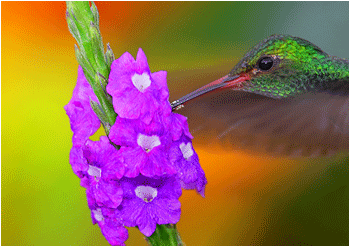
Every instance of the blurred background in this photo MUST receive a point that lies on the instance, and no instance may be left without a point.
(250, 200)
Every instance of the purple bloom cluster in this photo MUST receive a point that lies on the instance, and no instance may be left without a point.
(139, 184)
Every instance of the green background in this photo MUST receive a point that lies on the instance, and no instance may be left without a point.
(250, 200)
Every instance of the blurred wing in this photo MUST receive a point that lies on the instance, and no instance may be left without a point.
(312, 124)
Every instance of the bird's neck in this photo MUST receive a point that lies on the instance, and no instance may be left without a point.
(330, 74)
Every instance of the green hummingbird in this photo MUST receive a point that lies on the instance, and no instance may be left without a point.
(285, 96)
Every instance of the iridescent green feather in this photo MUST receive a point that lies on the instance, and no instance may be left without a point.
(302, 67)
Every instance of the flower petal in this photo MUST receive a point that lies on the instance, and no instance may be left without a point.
(164, 208)
(108, 194)
(113, 231)
(83, 120)
(134, 158)
(168, 211)
(189, 171)
(146, 224)
(77, 161)
(141, 62)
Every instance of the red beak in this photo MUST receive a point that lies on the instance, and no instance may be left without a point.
(222, 83)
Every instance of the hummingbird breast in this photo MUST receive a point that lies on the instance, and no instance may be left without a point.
(311, 124)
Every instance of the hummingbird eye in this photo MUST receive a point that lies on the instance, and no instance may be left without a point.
(265, 63)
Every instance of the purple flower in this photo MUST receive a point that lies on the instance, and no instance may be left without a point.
(83, 120)
(109, 221)
(148, 202)
(137, 93)
(77, 160)
(106, 194)
(144, 148)
(103, 154)
(98, 154)
(189, 171)
(114, 232)
(178, 126)
(139, 184)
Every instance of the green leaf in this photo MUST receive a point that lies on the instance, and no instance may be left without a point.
(109, 56)
(95, 13)
(99, 112)
(103, 80)
(98, 49)
(88, 69)
(73, 28)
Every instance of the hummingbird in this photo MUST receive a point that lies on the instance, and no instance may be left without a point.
(285, 97)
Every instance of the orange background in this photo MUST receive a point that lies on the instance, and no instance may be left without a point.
(250, 200)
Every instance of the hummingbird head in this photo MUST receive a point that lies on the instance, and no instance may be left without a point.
(281, 66)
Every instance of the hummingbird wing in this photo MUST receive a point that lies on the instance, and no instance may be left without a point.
(312, 124)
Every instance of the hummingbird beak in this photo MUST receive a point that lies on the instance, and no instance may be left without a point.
(222, 83)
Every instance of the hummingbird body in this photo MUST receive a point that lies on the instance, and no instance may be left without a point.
(288, 96)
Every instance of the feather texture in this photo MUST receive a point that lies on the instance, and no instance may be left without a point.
(311, 124)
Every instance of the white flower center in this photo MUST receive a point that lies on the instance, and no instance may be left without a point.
(148, 142)
(141, 82)
(98, 214)
(94, 171)
(146, 193)
(186, 150)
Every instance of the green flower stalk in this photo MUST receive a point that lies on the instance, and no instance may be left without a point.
(83, 23)
(165, 235)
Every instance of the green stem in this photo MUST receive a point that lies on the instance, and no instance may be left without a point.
(165, 235)
(83, 23)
